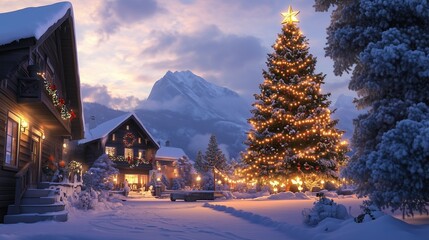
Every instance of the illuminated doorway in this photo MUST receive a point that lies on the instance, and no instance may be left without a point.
(137, 181)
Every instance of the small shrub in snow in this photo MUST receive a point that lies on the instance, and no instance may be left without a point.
(85, 200)
(370, 212)
(322, 209)
(177, 184)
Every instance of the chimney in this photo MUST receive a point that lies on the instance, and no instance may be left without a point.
(167, 143)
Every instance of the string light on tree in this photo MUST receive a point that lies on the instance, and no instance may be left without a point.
(292, 132)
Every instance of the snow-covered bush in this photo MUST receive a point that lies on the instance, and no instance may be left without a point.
(100, 176)
(370, 212)
(324, 208)
(177, 184)
(207, 181)
(85, 200)
(94, 200)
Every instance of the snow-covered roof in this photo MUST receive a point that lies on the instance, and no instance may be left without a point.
(30, 22)
(105, 128)
(170, 153)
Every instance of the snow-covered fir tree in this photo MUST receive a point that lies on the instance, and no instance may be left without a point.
(100, 176)
(214, 157)
(293, 134)
(211, 162)
(199, 165)
(185, 171)
(386, 46)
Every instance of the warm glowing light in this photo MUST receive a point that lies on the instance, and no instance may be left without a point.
(24, 125)
(198, 178)
(290, 16)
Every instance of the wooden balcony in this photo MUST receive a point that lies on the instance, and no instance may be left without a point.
(37, 103)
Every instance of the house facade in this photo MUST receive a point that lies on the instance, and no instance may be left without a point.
(169, 163)
(40, 102)
(129, 145)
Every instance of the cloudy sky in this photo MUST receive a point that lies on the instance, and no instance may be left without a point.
(125, 46)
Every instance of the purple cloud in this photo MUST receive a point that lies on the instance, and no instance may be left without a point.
(100, 94)
(116, 13)
(229, 60)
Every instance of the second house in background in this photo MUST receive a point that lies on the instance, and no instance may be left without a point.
(128, 144)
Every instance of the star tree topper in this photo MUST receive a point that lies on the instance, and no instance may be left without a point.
(290, 16)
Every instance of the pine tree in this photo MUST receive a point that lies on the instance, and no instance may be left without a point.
(292, 133)
(200, 164)
(386, 45)
(214, 158)
(100, 176)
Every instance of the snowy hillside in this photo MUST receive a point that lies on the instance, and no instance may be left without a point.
(186, 109)
(96, 113)
(187, 93)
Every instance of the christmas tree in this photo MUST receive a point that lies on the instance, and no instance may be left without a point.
(293, 134)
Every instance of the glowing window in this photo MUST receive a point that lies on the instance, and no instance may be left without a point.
(12, 134)
(128, 153)
(111, 151)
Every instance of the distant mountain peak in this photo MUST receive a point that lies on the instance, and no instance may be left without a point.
(187, 84)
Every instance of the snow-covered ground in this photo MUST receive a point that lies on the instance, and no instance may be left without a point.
(259, 218)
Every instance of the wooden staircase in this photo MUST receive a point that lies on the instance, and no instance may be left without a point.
(32, 205)
(37, 205)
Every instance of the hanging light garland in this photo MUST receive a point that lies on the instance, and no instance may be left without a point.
(59, 102)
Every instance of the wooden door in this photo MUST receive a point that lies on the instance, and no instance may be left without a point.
(36, 159)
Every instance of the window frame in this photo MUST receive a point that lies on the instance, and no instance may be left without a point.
(143, 154)
(129, 150)
(107, 151)
(13, 161)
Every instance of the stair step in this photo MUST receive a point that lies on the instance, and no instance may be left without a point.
(43, 185)
(35, 193)
(38, 201)
(39, 208)
(36, 217)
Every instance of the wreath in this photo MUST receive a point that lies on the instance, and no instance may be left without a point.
(129, 139)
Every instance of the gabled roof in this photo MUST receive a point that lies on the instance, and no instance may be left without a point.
(170, 153)
(30, 22)
(24, 30)
(107, 127)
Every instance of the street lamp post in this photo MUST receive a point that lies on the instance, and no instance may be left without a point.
(214, 179)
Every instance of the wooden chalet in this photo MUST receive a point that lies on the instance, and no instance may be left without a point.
(128, 144)
(40, 101)
(167, 162)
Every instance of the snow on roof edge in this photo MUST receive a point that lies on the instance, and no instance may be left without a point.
(31, 22)
(105, 128)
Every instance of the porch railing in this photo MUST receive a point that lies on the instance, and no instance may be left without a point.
(22, 178)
